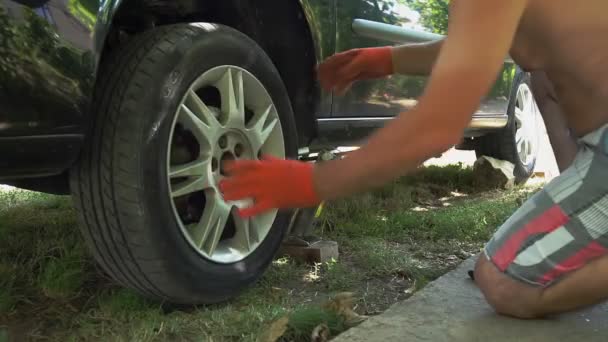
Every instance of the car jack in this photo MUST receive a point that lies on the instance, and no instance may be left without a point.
(301, 244)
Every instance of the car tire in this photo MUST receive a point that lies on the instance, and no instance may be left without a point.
(523, 116)
(123, 187)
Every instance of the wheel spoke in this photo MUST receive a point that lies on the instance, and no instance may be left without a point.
(233, 99)
(521, 150)
(521, 95)
(527, 104)
(208, 231)
(243, 234)
(189, 186)
(200, 129)
(519, 135)
(262, 127)
(520, 145)
(200, 109)
(518, 114)
(194, 168)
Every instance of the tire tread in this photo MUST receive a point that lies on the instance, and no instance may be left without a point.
(106, 228)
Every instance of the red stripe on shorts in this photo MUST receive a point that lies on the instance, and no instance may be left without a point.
(592, 250)
(545, 223)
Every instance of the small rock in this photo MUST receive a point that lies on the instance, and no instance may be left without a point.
(493, 173)
(462, 254)
(320, 333)
(275, 330)
(410, 289)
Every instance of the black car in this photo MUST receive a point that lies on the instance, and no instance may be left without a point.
(131, 106)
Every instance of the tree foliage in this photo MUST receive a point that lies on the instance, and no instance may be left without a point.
(433, 13)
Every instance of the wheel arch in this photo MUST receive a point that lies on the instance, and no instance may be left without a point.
(288, 38)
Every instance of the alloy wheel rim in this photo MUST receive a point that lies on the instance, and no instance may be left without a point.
(225, 114)
(525, 124)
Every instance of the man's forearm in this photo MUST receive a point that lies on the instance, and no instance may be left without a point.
(416, 59)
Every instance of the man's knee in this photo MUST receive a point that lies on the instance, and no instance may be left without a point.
(489, 284)
(506, 296)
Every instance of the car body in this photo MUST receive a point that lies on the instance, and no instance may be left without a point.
(54, 54)
(44, 122)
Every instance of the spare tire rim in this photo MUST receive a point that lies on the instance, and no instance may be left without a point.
(525, 124)
(226, 114)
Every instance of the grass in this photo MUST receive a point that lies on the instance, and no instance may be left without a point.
(392, 242)
(40, 251)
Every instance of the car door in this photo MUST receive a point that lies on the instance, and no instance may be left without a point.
(46, 74)
(45, 65)
(368, 104)
(375, 98)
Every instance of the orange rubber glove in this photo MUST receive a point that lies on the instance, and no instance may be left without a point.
(339, 71)
(272, 184)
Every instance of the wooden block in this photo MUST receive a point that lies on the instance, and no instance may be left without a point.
(318, 252)
(539, 174)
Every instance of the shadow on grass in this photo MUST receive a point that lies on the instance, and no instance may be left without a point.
(437, 202)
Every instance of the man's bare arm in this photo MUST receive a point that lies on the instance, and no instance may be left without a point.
(480, 34)
(416, 59)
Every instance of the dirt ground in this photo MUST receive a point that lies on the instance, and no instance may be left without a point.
(392, 241)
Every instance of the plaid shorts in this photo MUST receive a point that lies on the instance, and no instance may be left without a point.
(563, 226)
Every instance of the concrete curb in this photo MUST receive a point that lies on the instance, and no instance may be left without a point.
(452, 309)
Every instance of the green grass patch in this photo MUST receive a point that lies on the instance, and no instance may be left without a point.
(340, 277)
(63, 276)
(401, 218)
(455, 177)
(469, 221)
(391, 240)
(306, 319)
(8, 298)
(378, 258)
(41, 251)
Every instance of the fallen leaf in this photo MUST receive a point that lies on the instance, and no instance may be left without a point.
(354, 319)
(320, 333)
(343, 304)
(463, 254)
(342, 301)
(275, 330)
(411, 289)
